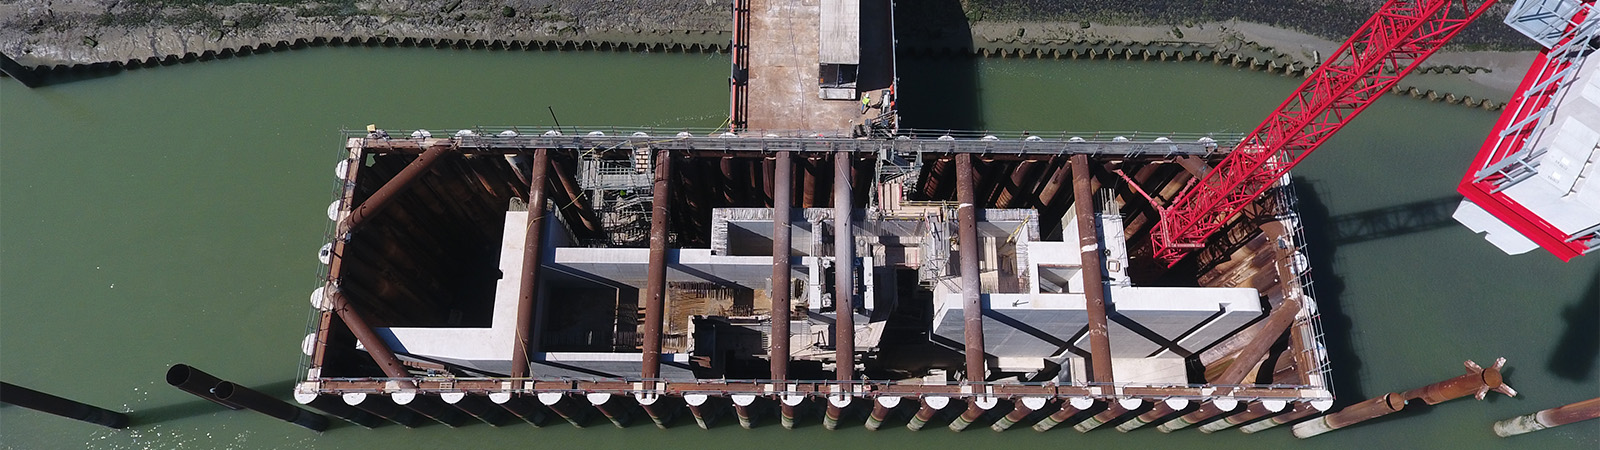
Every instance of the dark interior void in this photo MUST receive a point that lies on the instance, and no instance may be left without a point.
(432, 257)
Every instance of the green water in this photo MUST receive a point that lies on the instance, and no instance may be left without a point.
(173, 215)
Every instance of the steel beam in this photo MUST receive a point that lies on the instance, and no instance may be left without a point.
(844, 257)
(368, 338)
(394, 187)
(971, 287)
(1093, 283)
(266, 404)
(656, 283)
(532, 259)
(1357, 413)
(782, 197)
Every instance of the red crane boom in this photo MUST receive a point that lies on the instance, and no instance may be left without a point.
(1385, 48)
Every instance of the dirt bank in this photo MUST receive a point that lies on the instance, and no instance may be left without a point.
(67, 32)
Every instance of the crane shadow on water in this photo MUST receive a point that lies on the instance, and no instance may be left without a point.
(1575, 354)
(1327, 287)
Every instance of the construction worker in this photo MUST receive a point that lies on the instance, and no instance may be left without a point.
(866, 102)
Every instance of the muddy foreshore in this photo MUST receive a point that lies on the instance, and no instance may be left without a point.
(65, 33)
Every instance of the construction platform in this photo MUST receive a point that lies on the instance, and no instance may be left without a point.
(813, 260)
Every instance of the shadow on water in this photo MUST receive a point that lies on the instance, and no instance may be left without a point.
(194, 407)
(1576, 353)
(938, 74)
(1327, 287)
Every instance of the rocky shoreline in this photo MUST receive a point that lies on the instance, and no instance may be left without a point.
(86, 34)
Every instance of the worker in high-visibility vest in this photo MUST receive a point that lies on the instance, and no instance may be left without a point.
(866, 102)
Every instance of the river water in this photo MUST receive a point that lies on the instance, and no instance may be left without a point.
(173, 215)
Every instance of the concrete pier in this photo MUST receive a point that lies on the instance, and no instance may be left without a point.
(1354, 414)
(476, 406)
(881, 407)
(265, 404)
(429, 406)
(1213, 408)
(1256, 410)
(614, 407)
(744, 406)
(564, 406)
(1553, 417)
(657, 407)
(521, 407)
(378, 406)
(1114, 410)
(835, 411)
(976, 407)
(930, 406)
(1300, 411)
(1070, 407)
(336, 407)
(702, 408)
(197, 382)
(39, 401)
(1022, 408)
(1159, 412)
(789, 409)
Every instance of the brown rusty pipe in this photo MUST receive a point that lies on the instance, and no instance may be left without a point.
(1256, 410)
(532, 258)
(520, 407)
(782, 197)
(1276, 323)
(563, 406)
(1069, 407)
(1357, 413)
(1024, 407)
(844, 258)
(395, 186)
(1553, 417)
(478, 407)
(1213, 408)
(656, 284)
(1093, 284)
(881, 407)
(429, 406)
(375, 345)
(1477, 381)
(972, 414)
(1114, 409)
(971, 288)
(334, 406)
(744, 407)
(1162, 409)
(382, 408)
(930, 407)
(1300, 411)
(656, 408)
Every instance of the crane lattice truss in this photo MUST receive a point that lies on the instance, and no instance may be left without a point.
(1385, 48)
